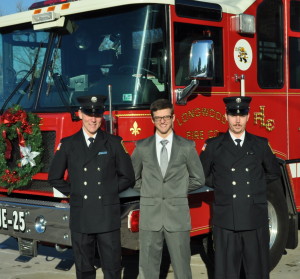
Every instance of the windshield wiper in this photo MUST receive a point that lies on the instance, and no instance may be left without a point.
(60, 84)
(29, 87)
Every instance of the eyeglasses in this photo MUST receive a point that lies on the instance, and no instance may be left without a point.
(160, 118)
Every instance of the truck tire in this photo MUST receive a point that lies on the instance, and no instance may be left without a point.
(278, 222)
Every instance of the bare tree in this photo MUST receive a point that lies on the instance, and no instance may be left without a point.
(20, 6)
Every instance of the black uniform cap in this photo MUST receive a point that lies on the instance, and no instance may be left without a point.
(92, 105)
(237, 105)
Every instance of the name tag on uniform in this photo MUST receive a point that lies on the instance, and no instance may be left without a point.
(102, 153)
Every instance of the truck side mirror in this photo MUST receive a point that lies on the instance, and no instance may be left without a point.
(201, 67)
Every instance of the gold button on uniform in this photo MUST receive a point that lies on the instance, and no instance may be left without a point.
(85, 183)
(85, 197)
(233, 183)
(234, 196)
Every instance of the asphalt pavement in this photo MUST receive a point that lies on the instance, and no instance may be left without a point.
(51, 264)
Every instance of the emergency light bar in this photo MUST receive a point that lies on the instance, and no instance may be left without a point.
(47, 3)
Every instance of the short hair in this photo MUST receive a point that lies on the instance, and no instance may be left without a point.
(161, 104)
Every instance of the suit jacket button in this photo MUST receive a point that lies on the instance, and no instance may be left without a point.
(85, 169)
(85, 183)
(99, 182)
(85, 197)
(234, 196)
(246, 169)
(99, 197)
(98, 169)
(248, 196)
(233, 183)
(233, 169)
(248, 182)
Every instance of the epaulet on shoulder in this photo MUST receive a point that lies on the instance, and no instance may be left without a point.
(210, 140)
(262, 138)
(113, 137)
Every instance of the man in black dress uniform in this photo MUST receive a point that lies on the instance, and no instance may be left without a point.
(238, 166)
(99, 168)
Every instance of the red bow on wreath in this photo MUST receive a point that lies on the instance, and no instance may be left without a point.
(9, 118)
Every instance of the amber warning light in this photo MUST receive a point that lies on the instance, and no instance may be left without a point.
(47, 3)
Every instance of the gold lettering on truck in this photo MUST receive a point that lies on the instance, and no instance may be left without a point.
(259, 118)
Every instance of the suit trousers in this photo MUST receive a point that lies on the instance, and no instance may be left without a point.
(109, 248)
(234, 249)
(151, 246)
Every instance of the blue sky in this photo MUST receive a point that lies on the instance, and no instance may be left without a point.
(9, 6)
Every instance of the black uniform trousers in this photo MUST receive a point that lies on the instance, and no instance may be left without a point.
(109, 248)
(236, 248)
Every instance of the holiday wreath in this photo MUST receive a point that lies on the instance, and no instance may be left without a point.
(19, 128)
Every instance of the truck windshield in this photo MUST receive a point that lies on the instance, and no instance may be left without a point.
(121, 47)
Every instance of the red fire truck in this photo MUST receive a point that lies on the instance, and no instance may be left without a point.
(134, 52)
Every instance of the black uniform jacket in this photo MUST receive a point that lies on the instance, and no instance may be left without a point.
(239, 178)
(95, 178)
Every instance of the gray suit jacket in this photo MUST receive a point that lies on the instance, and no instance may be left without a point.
(164, 200)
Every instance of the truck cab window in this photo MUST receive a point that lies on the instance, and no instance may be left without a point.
(270, 44)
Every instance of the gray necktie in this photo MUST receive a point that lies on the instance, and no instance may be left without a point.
(91, 142)
(238, 141)
(164, 157)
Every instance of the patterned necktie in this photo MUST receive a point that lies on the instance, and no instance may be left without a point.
(91, 142)
(164, 157)
(238, 141)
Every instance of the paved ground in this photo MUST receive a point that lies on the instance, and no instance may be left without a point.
(46, 265)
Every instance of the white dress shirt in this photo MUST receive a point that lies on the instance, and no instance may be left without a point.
(86, 137)
(242, 138)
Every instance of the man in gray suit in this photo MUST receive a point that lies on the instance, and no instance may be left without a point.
(166, 168)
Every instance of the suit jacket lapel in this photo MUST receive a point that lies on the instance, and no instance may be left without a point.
(232, 148)
(79, 146)
(99, 144)
(152, 152)
(228, 143)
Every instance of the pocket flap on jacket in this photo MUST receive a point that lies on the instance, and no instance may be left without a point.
(259, 199)
(179, 201)
(110, 199)
(147, 201)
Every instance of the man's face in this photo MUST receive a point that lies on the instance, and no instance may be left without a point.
(90, 123)
(237, 123)
(163, 121)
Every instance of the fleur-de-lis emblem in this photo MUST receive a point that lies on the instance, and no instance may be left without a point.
(135, 130)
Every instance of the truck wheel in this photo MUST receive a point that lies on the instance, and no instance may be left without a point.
(278, 222)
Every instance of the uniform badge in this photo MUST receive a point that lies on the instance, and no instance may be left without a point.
(204, 146)
(94, 99)
(124, 147)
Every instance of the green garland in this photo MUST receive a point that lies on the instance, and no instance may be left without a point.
(19, 125)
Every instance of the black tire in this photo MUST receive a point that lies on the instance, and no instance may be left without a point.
(278, 222)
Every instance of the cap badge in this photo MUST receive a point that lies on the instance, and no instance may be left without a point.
(238, 100)
(94, 99)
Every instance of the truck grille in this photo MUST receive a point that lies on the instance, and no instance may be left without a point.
(48, 138)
